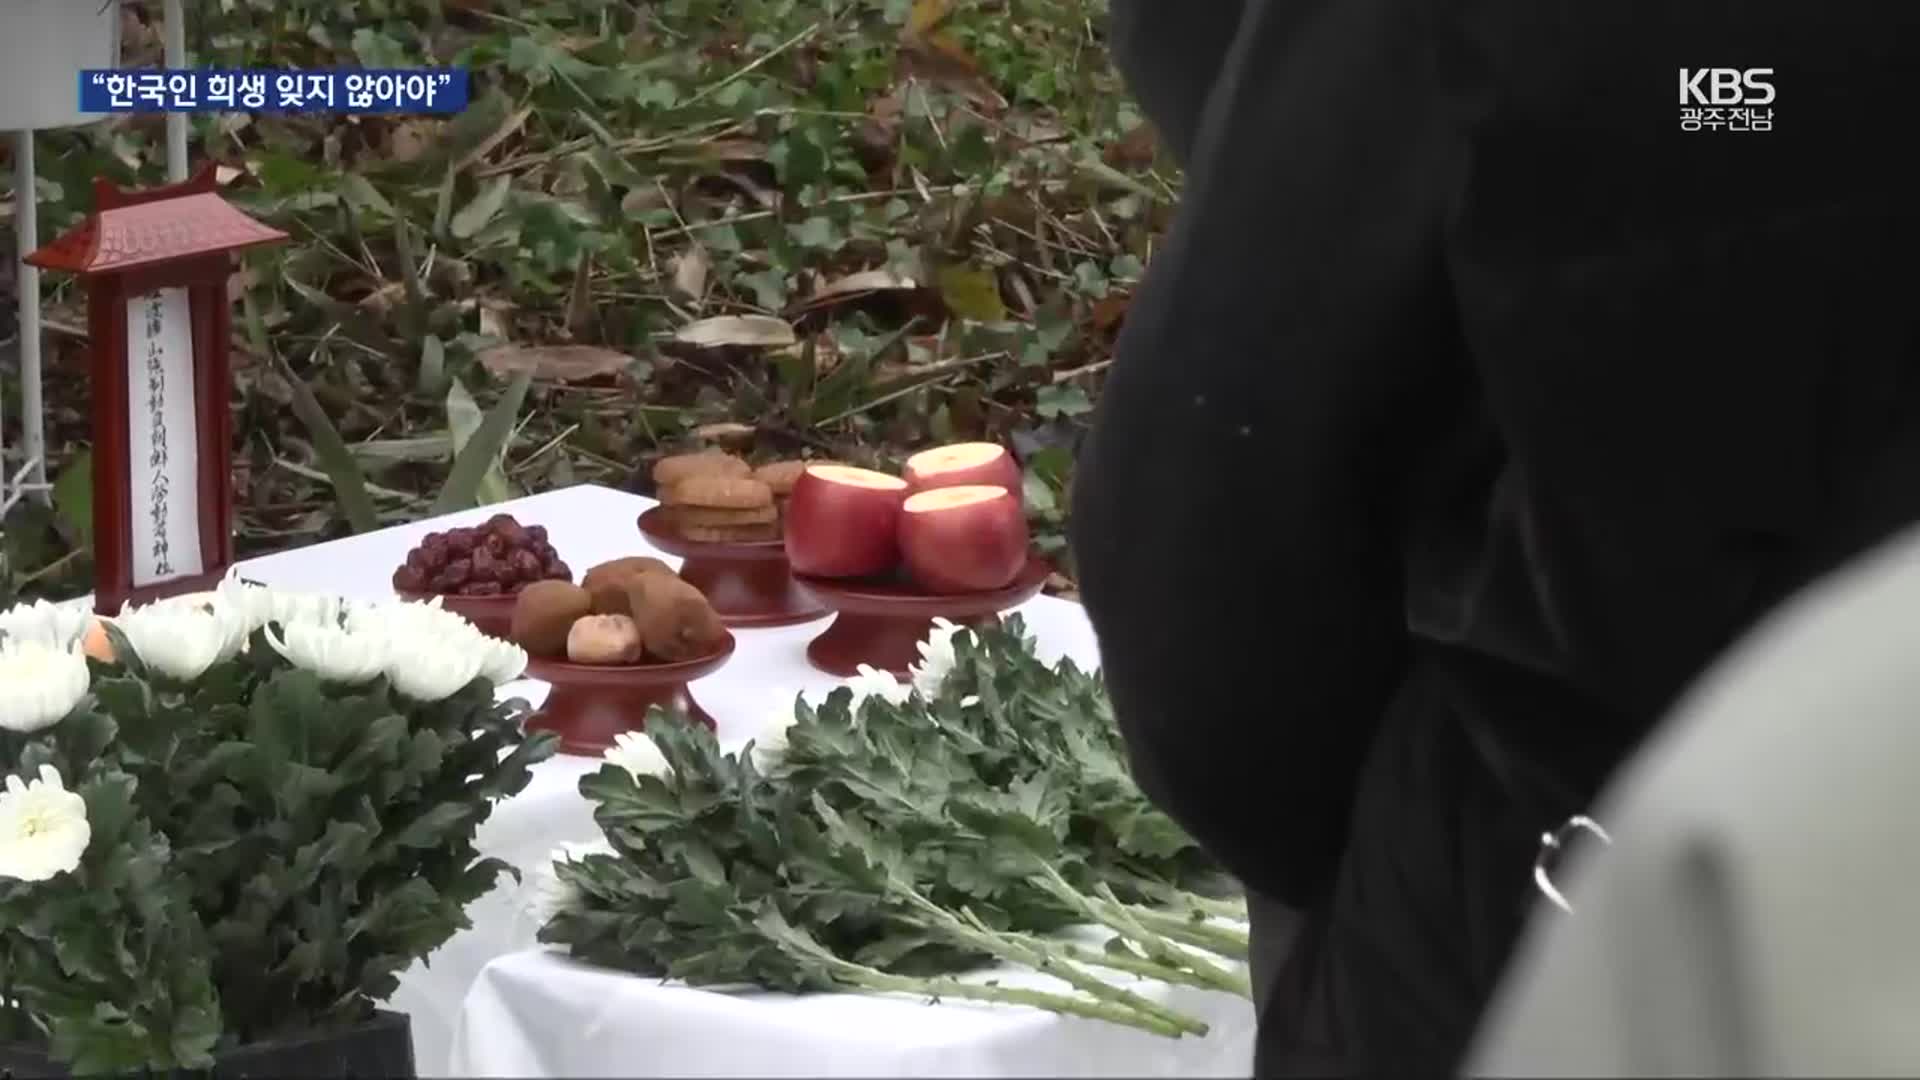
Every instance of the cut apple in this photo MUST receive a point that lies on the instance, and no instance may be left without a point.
(844, 522)
(963, 539)
(963, 465)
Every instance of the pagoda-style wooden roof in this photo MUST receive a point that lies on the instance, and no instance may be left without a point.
(135, 229)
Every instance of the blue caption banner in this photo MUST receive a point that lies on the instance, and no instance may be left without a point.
(347, 90)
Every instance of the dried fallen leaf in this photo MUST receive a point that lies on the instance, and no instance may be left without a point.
(410, 140)
(1109, 311)
(826, 353)
(940, 59)
(863, 282)
(745, 330)
(240, 281)
(382, 300)
(852, 287)
(638, 201)
(500, 134)
(763, 196)
(1134, 150)
(732, 436)
(690, 273)
(493, 320)
(926, 15)
(736, 151)
(580, 302)
(554, 363)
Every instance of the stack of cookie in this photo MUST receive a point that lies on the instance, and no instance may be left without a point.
(780, 476)
(713, 508)
(714, 498)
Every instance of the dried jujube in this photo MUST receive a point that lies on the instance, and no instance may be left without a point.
(493, 559)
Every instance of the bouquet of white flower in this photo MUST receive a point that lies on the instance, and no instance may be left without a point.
(245, 823)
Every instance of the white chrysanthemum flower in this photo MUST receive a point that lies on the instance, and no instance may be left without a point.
(298, 607)
(57, 625)
(502, 661)
(428, 668)
(334, 653)
(261, 605)
(546, 894)
(872, 682)
(635, 752)
(43, 828)
(426, 619)
(182, 639)
(39, 683)
(770, 743)
(253, 603)
(936, 659)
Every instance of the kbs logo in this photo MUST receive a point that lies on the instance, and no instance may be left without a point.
(1725, 86)
(1725, 99)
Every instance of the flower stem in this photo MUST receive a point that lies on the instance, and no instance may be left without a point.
(1203, 976)
(867, 978)
(879, 981)
(1173, 956)
(1107, 911)
(971, 931)
(1233, 910)
(1216, 939)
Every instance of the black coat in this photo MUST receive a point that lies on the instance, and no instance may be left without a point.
(1469, 409)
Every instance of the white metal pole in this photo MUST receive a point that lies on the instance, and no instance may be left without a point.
(26, 231)
(6, 494)
(176, 52)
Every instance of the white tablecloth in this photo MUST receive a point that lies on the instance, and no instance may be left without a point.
(538, 1013)
(532, 1013)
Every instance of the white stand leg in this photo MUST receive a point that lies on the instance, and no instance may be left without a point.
(176, 53)
(32, 476)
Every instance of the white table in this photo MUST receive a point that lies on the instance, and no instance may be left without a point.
(532, 1012)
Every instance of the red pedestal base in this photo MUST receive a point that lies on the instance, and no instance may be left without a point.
(882, 624)
(588, 705)
(749, 584)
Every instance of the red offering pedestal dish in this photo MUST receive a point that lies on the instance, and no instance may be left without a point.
(881, 623)
(492, 614)
(749, 583)
(588, 704)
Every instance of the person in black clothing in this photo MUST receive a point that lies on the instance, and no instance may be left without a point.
(1471, 406)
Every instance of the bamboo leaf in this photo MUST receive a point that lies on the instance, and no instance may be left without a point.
(349, 484)
(362, 195)
(433, 366)
(485, 206)
(443, 205)
(477, 478)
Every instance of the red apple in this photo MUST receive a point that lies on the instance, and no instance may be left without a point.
(963, 465)
(963, 539)
(844, 522)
